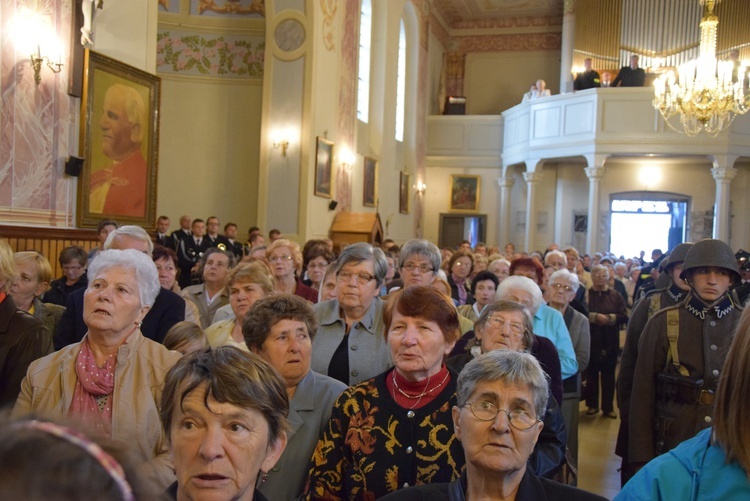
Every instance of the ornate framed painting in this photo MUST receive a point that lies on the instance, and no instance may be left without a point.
(403, 193)
(119, 143)
(464, 196)
(323, 167)
(370, 189)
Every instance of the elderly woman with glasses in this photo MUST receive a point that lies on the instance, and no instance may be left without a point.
(418, 262)
(350, 345)
(506, 325)
(111, 381)
(497, 418)
(393, 430)
(285, 260)
(561, 290)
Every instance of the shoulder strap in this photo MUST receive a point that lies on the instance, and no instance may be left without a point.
(655, 304)
(673, 334)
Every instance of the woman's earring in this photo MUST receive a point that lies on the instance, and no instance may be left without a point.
(263, 477)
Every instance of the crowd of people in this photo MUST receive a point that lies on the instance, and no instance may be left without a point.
(190, 364)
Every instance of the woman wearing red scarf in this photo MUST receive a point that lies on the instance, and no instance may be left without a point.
(111, 381)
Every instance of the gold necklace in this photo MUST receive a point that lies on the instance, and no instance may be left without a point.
(424, 393)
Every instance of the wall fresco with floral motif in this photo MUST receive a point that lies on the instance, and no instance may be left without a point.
(209, 55)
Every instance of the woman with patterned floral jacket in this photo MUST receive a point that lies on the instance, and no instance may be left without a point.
(396, 430)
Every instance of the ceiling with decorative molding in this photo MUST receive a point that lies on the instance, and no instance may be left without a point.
(468, 14)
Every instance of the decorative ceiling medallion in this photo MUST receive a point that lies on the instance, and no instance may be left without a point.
(289, 35)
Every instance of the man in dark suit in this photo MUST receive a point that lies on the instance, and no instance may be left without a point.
(168, 309)
(630, 76)
(161, 237)
(190, 251)
(230, 233)
(182, 232)
(213, 236)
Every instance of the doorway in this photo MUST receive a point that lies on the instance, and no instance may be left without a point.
(646, 220)
(455, 228)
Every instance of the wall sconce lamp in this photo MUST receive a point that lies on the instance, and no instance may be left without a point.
(420, 187)
(347, 158)
(36, 63)
(32, 33)
(281, 140)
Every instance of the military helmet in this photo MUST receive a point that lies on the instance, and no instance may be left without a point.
(710, 252)
(677, 255)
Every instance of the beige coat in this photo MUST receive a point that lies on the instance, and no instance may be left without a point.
(47, 391)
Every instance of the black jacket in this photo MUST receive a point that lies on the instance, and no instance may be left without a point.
(168, 309)
(58, 292)
(23, 339)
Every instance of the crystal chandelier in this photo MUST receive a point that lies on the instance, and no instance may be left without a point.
(708, 93)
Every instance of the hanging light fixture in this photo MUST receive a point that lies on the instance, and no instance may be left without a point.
(706, 93)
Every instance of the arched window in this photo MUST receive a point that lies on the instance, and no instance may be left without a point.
(363, 71)
(401, 83)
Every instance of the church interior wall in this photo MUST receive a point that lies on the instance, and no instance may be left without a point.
(496, 81)
(209, 166)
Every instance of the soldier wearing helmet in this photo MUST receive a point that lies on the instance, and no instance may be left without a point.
(681, 354)
(675, 292)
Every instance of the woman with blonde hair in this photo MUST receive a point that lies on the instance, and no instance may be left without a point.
(34, 276)
(715, 463)
(285, 260)
(23, 338)
(246, 283)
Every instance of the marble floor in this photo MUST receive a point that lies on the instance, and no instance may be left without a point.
(597, 462)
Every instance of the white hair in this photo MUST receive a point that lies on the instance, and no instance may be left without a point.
(525, 284)
(564, 274)
(143, 267)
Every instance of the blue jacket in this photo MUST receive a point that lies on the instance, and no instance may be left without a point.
(694, 470)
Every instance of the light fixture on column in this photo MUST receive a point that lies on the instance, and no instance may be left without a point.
(347, 158)
(281, 140)
(420, 187)
(706, 93)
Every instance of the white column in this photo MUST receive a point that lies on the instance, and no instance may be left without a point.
(595, 174)
(723, 177)
(567, 45)
(532, 179)
(503, 233)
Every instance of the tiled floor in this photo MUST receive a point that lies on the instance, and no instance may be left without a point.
(597, 462)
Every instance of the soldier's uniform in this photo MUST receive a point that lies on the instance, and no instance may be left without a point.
(675, 380)
(642, 312)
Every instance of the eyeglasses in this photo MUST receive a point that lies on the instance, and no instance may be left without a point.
(500, 323)
(423, 268)
(566, 288)
(362, 278)
(71, 267)
(284, 257)
(461, 265)
(316, 265)
(487, 411)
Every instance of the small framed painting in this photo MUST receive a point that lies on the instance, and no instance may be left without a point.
(370, 191)
(464, 193)
(323, 167)
(403, 193)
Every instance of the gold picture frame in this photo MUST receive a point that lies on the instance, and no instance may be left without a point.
(323, 167)
(119, 142)
(370, 183)
(403, 193)
(465, 191)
